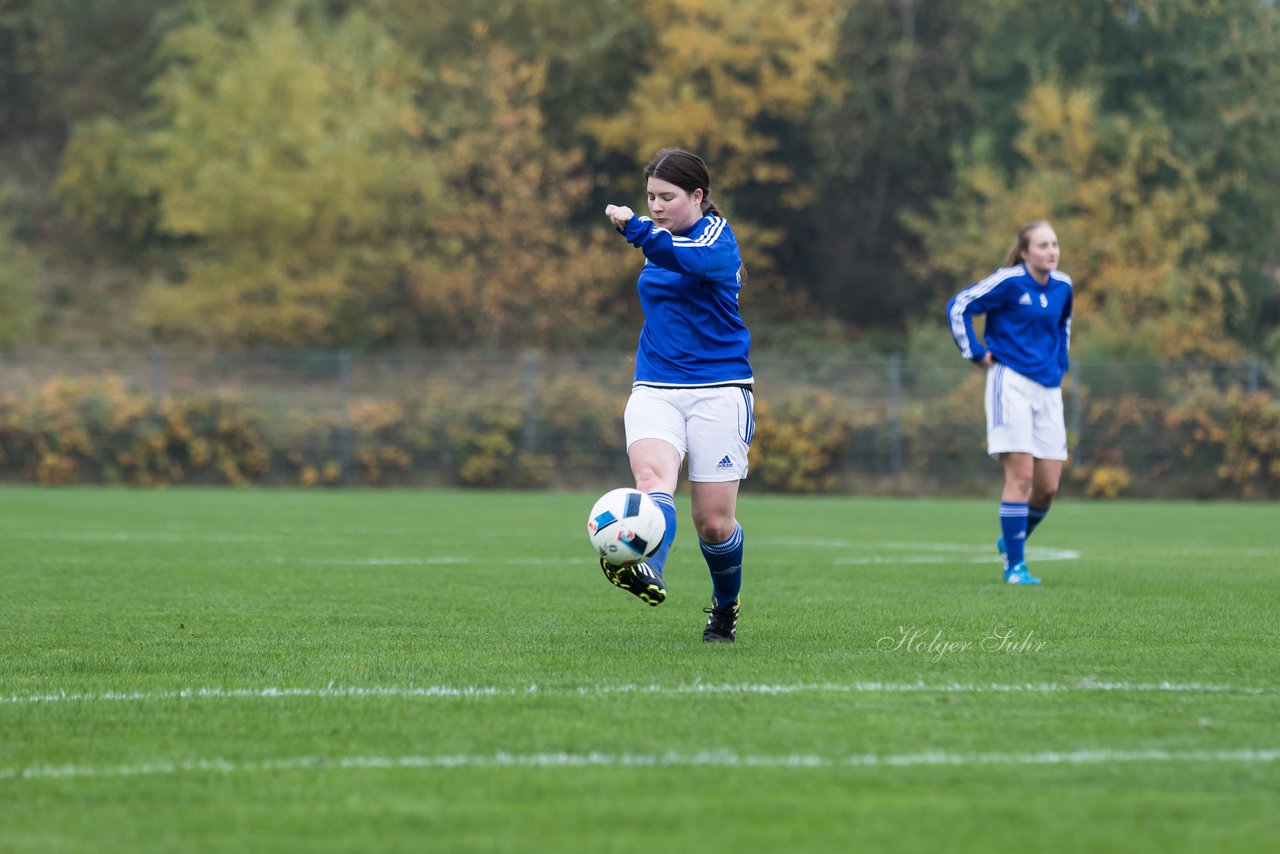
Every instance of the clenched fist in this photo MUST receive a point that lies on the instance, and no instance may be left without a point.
(619, 215)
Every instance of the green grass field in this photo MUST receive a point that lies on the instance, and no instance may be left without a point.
(222, 670)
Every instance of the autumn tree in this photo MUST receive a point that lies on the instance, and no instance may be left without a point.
(880, 149)
(62, 61)
(1207, 72)
(311, 171)
(331, 188)
(17, 270)
(504, 268)
(718, 74)
(1130, 215)
(284, 158)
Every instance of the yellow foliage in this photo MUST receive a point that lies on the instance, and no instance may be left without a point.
(506, 267)
(1129, 214)
(1107, 482)
(717, 70)
(395, 457)
(797, 444)
(287, 154)
(1194, 432)
(368, 415)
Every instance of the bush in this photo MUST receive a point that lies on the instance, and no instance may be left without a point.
(840, 426)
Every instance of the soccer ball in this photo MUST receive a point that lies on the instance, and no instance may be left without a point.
(625, 526)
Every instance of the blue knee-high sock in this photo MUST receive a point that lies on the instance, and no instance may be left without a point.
(1035, 515)
(725, 562)
(1013, 525)
(667, 505)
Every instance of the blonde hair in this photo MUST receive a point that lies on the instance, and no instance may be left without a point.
(1020, 245)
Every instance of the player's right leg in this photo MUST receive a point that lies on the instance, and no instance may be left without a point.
(655, 448)
(655, 465)
(638, 579)
(1013, 516)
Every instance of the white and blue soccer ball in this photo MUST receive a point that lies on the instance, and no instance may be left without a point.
(625, 526)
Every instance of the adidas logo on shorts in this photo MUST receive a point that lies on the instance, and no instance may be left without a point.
(725, 463)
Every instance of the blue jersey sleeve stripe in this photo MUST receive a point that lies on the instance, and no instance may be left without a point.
(708, 237)
(696, 256)
(1028, 322)
(959, 329)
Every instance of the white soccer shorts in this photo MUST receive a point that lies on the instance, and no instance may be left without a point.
(1023, 416)
(711, 426)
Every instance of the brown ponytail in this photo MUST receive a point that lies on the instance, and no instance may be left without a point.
(1014, 256)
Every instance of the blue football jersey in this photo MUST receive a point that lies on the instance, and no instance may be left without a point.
(693, 334)
(1028, 326)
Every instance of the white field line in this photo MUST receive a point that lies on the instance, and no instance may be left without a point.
(334, 691)
(713, 759)
(860, 551)
(324, 538)
(851, 552)
(902, 553)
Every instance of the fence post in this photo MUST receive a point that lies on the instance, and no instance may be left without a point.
(157, 379)
(1077, 410)
(531, 401)
(344, 398)
(895, 412)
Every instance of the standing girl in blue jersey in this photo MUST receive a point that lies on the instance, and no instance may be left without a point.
(1027, 303)
(692, 392)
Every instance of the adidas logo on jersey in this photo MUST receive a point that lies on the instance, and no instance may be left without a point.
(1025, 299)
(725, 463)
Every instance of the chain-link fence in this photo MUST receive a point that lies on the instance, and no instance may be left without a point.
(885, 424)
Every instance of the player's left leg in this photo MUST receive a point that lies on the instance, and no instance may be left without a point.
(721, 424)
(1044, 488)
(722, 543)
(1050, 432)
(720, 536)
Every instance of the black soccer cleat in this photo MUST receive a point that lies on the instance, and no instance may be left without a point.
(638, 579)
(722, 623)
